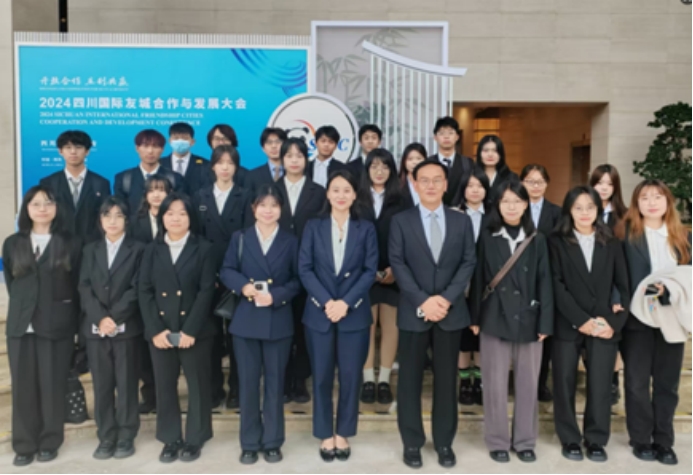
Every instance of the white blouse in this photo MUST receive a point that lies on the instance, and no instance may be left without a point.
(339, 245)
(176, 247)
(661, 255)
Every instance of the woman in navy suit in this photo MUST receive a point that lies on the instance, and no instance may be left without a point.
(267, 276)
(338, 262)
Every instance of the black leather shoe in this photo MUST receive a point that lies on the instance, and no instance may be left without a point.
(47, 455)
(170, 452)
(500, 456)
(273, 455)
(23, 460)
(232, 401)
(248, 457)
(615, 394)
(218, 399)
(572, 452)
(327, 455)
(595, 452)
(545, 394)
(466, 396)
(527, 456)
(124, 449)
(666, 455)
(412, 457)
(301, 394)
(384, 393)
(368, 393)
(190, 453)
(478, 392)
(446, 457)
(105, 450)
(342, 454)
(147, 407)
(644, 452)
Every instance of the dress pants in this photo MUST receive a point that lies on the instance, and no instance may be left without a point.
(413, 347)
(114, 368)
(195, 364)
(601, 355)
(496, 358)
(546, 356)
(223, 345)
(346, 351)
(146, 371)
(648, 358)
(39, 369)
(298, 368)
(261, 431)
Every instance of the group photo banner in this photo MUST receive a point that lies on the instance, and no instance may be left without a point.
(114, 91)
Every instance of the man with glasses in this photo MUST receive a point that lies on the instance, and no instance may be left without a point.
(446, 133)
(271, 141)
(432, 254)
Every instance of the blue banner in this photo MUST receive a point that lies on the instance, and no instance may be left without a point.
(113, 92)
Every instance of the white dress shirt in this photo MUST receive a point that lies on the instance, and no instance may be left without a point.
(265, 244)
(176, 247)
(339, 245)
(378, 199)
(536, 211)
(586, 243)
(414, 195)
(607, 212)
(661, 255)
(476, 216)
(447, 161)
(294, 191)
(220, 197)
(81, 177)
(513, 243)
(320, 171)
(113, 248)
(153, 223)
(184, 165)
(427, 215)
(492, 179)
(40, 242)
(145, 173)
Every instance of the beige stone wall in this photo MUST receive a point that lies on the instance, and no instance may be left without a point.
(35, 15)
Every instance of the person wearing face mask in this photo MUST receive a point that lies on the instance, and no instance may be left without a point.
(272, 171)
(194, 169)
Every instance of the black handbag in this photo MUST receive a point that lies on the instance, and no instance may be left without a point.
(75, 400)
(229, 301)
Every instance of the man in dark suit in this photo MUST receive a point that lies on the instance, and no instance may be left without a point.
(268, 173)
(195, 170)
(326, 140)
(79, 191)
(129, 184)
(432, 254)
(447, 135)
(370, 137)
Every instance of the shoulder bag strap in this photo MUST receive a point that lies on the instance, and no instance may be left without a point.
(510, 263)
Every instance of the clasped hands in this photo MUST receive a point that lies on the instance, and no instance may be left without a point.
(161, 341)
(261, 299)
(435, 308)
(599, 327)
(336, 310)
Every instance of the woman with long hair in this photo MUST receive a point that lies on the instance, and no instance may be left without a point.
(490, 157)
(413, 154)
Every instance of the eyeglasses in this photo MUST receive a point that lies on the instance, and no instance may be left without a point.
(42, 204)
(380, 168)
(535, 183)
(436, 182)
(511, 203)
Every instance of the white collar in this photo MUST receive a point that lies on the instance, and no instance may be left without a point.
(539, 204)
(662, 231)
(145, 172)
(290, 185)
(218, 192)
(81, 176)
(607, 209)
(504, 233)
(272, 236)
(439, 211)
(325, 162)
(481, 209)
(335, 224)
(451, 157)
(180, 243)
(116, 244)
(185, 158)
(375, 193)
(584, 237)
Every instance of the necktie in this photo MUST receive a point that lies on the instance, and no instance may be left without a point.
(147, 176)
(179, 168)
(436, 237)
(75, 182)
(277, 173)
(447, 162)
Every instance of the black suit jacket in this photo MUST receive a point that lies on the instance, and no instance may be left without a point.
(420, 277)
(111, 292)
(140, 229)
(133, 196)
(259, 176)
(310, 202)
(581, 294)
(461, 167)
(46, 297)
(240, 177)
(357, 167)
(197, 175)
(407, 199)
(333, 167)
(82, 221)
(549, 217)
(511, 312)
(382, 228)
(178, 297)
(501, 179)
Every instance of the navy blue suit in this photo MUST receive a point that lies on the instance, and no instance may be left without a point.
(262, 335)
(343, 344)
(197, 175)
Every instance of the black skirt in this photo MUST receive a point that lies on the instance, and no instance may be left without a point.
(387, 294)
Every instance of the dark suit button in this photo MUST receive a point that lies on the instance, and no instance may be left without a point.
(105, 287)
(526, 269)
(516, 317)
(517, 292)
(292, 226)
(502, 289)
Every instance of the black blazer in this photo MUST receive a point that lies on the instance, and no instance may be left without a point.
(140, 229)
(218, 228)
(239, 178)
(310, 202)
(259, 176)
(111, 292)
(418, 275)
(197, 175)
(501, 179)
(382, 228)
(549, 217)
(333, 167)
(639, 266)
(178, 297)
(46, 297)
(511, 312)
(134, 194)
(83, 221)
(357, 167)
(461, 167)
(581, 294)
(407, 199)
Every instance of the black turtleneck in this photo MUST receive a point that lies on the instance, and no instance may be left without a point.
(513, 231)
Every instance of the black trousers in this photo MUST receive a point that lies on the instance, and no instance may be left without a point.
(257, 358)
(601, 355)
(412, 359)
(146, 371)
(114, 368)
(39, 369)
(223, 346)
(650, 361)
(298, 367)
(195, 364)
(546, 356)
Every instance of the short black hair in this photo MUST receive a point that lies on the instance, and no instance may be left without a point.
(446, 121)
(268, 191)
(269, 131)
(426, 163)
(496, 220)
(370, 128)
(221, 150)
(74, 137)
(328, 131)
(166, 204)
(297, 142)
(478, 173)
(225, 130)
(114, 202)
(535, 167)
(181, 128)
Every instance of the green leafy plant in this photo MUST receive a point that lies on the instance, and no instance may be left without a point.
(669, 157)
